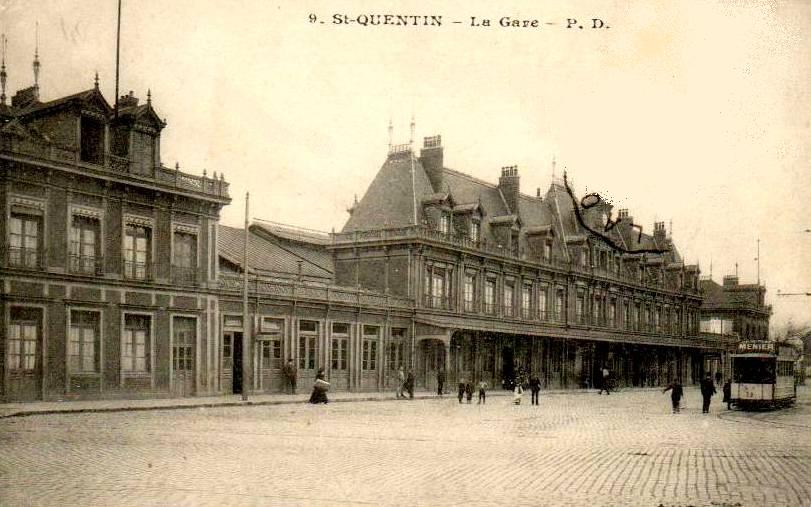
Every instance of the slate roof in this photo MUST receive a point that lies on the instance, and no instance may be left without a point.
(266, 256)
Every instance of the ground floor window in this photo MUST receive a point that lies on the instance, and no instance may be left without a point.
(135, 346)
(307, 344)
(271, 354)
(22, 339)
(371, 335)
(83, 356)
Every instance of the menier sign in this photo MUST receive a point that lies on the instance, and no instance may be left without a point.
(762, 346)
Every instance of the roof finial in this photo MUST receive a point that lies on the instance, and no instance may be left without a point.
(553, 166)
(36, 61)
(391, 133)
(149, 96)
(96, 81)
(3, 74)
(411, 141)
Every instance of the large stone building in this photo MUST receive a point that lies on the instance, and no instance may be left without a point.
(117, 279)
(735, 308)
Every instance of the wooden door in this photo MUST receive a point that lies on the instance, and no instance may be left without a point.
(183, 350)
(23, 351)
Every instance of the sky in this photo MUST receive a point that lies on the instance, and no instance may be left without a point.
(695, 113)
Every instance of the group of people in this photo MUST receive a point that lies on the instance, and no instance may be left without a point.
(707, 387)
(405, 383)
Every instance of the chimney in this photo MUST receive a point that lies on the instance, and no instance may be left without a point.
(659, 233)
(431, 158)
(508, 183)
(538, 192)
(25, 97)
(129, 100)
(730, 280)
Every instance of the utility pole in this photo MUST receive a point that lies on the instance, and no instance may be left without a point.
(246, 326)
(758, 261)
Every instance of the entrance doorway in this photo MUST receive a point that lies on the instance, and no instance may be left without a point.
(232, 362)
(23, 352)
(507, 368)
(184, 338)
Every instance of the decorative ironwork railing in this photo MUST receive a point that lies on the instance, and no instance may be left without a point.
(122, 165)
(26, 258)
(86, 264)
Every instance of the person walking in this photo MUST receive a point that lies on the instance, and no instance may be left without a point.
(605, 379)
(320, 388)
(482, 392)
(290, 375)
(440, 381)
(469, 392)
(461, 388)
(707, 390)
(409, 383)
(728, 394)
(534, 387)
(676, 393)
(400, 382)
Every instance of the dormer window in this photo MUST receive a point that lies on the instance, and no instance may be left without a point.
(547, 251)
(92, 138)
(475, 230)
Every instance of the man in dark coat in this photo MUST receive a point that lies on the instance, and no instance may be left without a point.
(290, 375)
(440, 381)
(707, 390)
(535, 387)
(409, 383)
(728, 394)
(676, 393)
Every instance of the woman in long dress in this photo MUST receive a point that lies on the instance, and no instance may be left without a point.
(319, 394)
(518, 393)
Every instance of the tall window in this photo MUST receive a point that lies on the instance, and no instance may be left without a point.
(542, 302)
(184, 262)
(612, 313)
(137, 252)
(444, 223)
(307, 344)
(24, 241)
(135, 349)
(547, 251)
(470, 285)
(626, 314)
(23, 331)
(396, 352)
(560, 297)
(85, 247)
(526, 301)
(475, 231)
(272, 337)
(184, 335)
(84, 342)
(340, 345)
(489, 296)
(371, 335)
(677, 322)
(508, 298)
(580, 307)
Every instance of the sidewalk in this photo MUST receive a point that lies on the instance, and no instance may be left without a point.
(231, 400)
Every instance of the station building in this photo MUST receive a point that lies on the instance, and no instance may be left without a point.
(119, 281)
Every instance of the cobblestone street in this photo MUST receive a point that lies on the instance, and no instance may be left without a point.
(574, 449)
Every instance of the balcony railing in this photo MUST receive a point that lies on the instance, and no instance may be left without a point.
(489, 308)
(138, 270)
(173, 177)
(437, 302)
(184, 275)
(86, 265)
(25, 258)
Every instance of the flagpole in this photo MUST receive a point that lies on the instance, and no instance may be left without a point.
(246, 327)
(758, 261)
(117, 56)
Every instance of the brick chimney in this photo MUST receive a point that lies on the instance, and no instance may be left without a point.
(509, 185)
(659, 232)
(129, 100)
(432, 160)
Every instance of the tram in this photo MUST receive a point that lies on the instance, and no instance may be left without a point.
(763, 375)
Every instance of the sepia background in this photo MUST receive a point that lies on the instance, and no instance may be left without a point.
(692, 112)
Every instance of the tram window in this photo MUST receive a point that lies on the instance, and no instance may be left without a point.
(751, 370)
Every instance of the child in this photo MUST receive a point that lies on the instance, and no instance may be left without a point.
(469, 392)
(676, 394)
(518, 393)
(482, 393)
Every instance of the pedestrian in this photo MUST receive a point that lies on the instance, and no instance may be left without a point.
(409, 383)
(718, 377)
(707, 390)
(518, 393)
(728, 394)
(320, 388)
(469, 392)
(400, 382)
(440, 381)
(482, 392)
(534, 387)
(605, 379)
(461, 387)
(676, 393)
(290, 375)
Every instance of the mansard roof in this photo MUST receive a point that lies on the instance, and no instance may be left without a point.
(91, 98)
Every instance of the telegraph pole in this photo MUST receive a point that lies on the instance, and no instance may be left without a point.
(246, 326)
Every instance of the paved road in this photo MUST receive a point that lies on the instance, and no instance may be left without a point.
(575, 449)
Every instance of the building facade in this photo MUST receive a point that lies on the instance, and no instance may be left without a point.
(118, 280)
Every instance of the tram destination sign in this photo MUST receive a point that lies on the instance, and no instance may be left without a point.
(761, 346)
